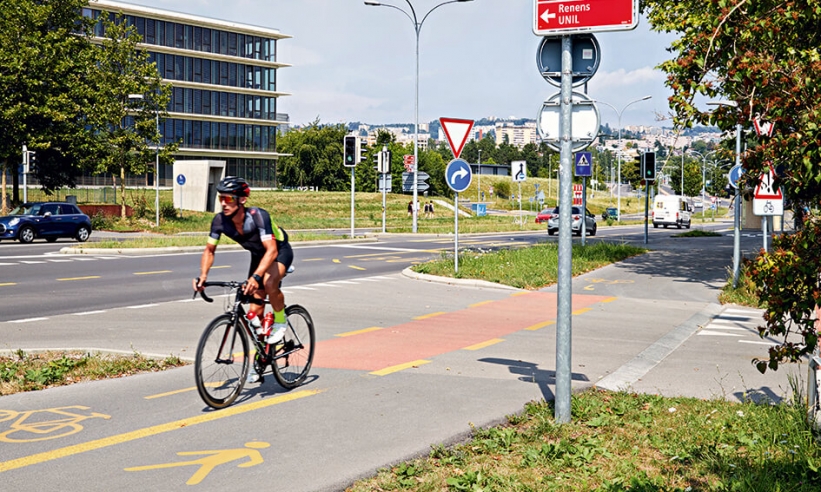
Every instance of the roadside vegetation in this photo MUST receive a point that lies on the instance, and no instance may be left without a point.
(527, 268)
(24, 371)
(697, 233)
(621, 442)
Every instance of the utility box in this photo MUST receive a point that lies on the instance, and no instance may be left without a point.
(195, 184)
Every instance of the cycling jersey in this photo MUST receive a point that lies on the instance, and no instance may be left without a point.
(256, 228)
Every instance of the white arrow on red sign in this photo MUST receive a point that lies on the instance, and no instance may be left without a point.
(553, 17)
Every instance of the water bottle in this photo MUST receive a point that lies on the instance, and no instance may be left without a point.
(267, 322)
(253, 321)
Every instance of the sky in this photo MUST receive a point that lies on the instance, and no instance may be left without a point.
(477, 59)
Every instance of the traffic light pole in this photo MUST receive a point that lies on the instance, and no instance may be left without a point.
(646, 209)
(353, 185)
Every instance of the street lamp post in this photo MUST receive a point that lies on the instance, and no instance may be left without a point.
(703, 174)
(619, 113)
(736, 204)
(140, 97)
(479, 177)
(417, 27)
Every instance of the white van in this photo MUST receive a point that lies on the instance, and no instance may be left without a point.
(671, 210)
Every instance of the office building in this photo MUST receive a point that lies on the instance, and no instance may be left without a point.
(224, 78)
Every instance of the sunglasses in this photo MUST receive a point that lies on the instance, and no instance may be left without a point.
(227, 199)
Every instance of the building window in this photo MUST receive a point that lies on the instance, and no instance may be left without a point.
(206, 40)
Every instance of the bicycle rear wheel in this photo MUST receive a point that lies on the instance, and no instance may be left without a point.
(296, 352)
(222, 362)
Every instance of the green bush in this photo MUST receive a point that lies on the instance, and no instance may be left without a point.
(99, 221)
(502, 189)
(167, 210)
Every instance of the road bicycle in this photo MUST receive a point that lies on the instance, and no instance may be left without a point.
(229, 343)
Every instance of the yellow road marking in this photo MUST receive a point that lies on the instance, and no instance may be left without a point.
(539, 326)
(480, 303)
(152, 273)
(359, 332)
(610, 299)
(335, 260)
(355, 267)
(431, 315)
(313, 259)
(589, 287)
(581, 311)
(184, 390)
(519, 294)
(150, 431)
(78, 278)
(7, 284)
(484, 344)
(396, 368)
(221, 266)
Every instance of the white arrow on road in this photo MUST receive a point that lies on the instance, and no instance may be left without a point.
(461, 173)
(546, 16)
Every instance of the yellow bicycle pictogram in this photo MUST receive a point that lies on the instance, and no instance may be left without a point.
(604, 281)
(40, 425)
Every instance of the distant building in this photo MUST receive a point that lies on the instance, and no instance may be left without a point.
(518, 135)
(224, 78)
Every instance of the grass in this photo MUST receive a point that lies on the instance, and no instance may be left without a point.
(744, 294)
(624, 441)
(32, 372)
(528, 268)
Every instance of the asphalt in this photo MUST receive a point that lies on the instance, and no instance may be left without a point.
(404, 362)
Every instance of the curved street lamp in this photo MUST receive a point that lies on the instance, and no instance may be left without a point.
(618, 206)
(417, 27)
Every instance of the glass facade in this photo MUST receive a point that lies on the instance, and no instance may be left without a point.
(197, 114)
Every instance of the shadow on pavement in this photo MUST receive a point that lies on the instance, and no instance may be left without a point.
(530, 373)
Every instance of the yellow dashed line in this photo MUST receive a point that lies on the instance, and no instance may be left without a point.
(152, 273)
(184, 390)
(220, 266)
(359, 332)
(431, 315)
(400, 367)
(7, 284)
(77, 278)
(519, 294)
(313, 259)
(484, 344)
(355, 267)
(480, 304)
(336, 261)
(610, 299)
(581, 311)
(539, 326)
(150, 431)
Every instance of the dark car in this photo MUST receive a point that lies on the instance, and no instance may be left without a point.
(576, 218)
(45, 220)
(610, 213)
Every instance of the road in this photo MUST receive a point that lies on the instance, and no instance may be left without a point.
(401, 365)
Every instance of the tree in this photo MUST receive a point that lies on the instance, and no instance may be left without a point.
(44, 70)
(316, 158)
(764, 58)
(127, 94)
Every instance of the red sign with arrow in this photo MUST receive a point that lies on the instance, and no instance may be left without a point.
(552, 17)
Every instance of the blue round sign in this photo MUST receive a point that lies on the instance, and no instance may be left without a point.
(458, 175)
(734, 175)
(180, 179)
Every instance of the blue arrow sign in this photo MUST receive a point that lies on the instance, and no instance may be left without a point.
(583, 164)
(734, 174)
(458, 175)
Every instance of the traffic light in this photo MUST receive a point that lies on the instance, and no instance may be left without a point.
(377, 159)
(386, 162)
(648, 166)
(351, 158)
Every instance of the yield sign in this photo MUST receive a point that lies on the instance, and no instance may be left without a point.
(457, 132)
(765, 189)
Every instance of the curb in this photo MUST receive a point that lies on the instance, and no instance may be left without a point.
(464, 282)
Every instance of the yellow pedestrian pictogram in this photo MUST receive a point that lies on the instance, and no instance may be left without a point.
(40, 425)
(213, 458)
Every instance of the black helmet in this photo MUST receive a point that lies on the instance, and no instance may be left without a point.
(232, 185)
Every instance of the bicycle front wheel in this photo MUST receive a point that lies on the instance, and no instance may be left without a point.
(222, 362)
(293, 357)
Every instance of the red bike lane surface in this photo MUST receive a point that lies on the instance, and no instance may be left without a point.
(442, 333)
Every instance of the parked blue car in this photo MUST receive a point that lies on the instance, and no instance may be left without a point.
(45, 220)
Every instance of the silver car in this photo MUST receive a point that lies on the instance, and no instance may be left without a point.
(576, 217)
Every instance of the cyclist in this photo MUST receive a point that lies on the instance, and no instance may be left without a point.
(271, 254)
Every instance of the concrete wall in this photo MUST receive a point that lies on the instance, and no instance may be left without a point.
(199, 191)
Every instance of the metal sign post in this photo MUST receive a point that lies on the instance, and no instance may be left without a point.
(458, 176)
